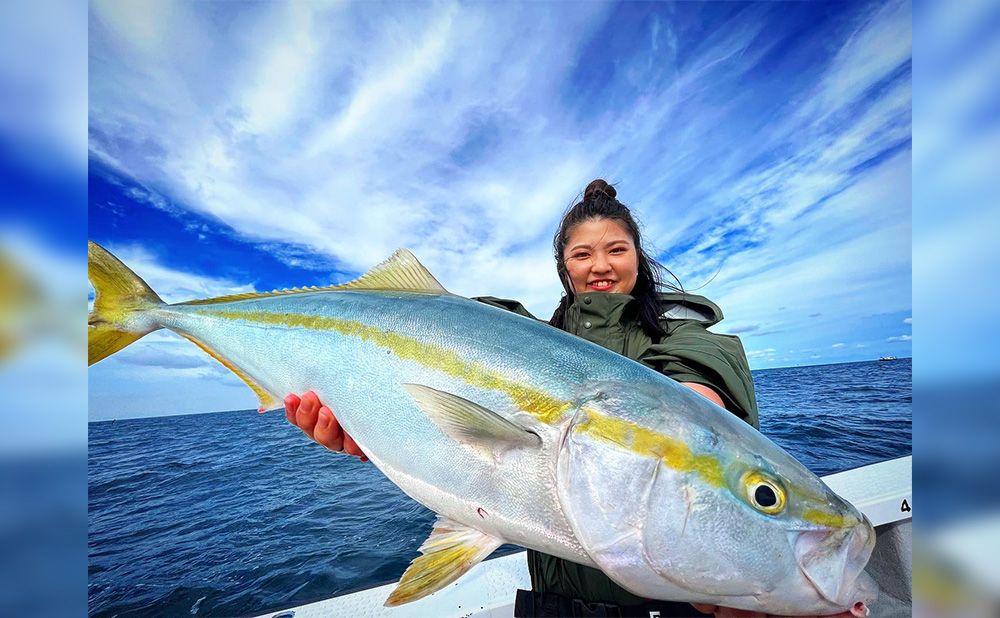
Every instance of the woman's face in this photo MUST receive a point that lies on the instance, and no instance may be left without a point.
(600, 256)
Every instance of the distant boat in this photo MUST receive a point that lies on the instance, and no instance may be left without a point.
(887, 358)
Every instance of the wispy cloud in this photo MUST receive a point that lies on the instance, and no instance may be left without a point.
(900, 338)
(758, 354)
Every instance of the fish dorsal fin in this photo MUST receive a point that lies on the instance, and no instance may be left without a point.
(470, 423)
(401, 271)
(450, 551)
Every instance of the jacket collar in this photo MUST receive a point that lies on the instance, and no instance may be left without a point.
(606, 308)
(603, 318)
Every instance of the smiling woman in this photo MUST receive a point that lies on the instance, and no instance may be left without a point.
(598, 248)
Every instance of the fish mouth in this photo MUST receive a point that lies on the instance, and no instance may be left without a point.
(833, 560)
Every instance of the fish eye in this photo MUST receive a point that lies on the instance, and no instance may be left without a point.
(764, 494)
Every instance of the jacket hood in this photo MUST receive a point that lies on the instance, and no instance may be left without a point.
(685, 306)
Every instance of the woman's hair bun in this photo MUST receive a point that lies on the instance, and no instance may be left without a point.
(599, 188)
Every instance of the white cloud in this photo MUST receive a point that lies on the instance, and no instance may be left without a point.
(390, 86)
(880, 44)
(839, 345)
(907, 320)
(759, 354)
(143, 25)
(279, 77)
(900, 338)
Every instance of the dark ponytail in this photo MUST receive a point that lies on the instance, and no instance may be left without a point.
(599, 202)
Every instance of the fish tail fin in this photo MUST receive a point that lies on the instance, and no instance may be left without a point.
(120, 299)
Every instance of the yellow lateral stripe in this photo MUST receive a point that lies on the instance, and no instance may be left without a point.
(546, 408)
(831, 520)
(266, 399)
(672, 452)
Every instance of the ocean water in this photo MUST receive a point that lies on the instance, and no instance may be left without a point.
(235, 513)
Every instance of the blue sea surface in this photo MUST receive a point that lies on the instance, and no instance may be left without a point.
(234, 513)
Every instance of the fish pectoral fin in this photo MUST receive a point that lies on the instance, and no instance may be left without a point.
(450, 551)
(401, 271)
(468, 422)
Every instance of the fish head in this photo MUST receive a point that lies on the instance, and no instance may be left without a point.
(707, 509)
(759, 529)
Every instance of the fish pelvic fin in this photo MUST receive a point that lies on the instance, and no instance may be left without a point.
(120, 299)
(469, 423)
(448, 553)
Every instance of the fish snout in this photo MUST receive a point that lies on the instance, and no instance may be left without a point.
(833, 561)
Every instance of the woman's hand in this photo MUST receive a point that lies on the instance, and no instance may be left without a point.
(318, 422)
(729, 612)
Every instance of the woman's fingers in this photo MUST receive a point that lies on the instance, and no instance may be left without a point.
(328, 431)
(307, 413)
(351, 448)
(291, 405)
(319, 423)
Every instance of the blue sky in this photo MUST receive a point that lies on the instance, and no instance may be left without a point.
(765, 148)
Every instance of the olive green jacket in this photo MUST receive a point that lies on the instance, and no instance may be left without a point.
(687, 353)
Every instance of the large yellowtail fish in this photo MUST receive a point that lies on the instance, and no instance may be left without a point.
(515, 432)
